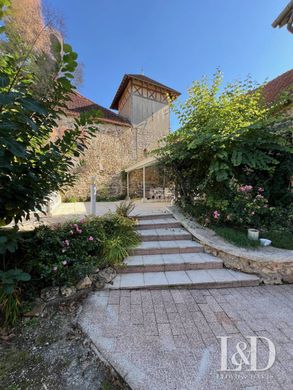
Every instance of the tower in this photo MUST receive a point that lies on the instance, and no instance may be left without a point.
(138, 97)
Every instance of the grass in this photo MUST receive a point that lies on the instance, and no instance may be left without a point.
(236, 237)
(283, 240)
(280, 239)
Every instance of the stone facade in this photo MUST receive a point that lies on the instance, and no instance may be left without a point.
(111, 150)
(116, 146)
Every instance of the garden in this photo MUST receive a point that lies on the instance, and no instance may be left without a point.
(232, 161)
(35, 86)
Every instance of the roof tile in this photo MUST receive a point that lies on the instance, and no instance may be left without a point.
(79, 104)
(280, 84)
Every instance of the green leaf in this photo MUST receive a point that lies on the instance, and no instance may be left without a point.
(4, 79)
(236, 158)
(34, 106)
(24, 277)
(8, 289)
(14, 147)
(67, 48)
(7, 98)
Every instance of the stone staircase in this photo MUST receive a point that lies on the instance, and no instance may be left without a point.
(168, 257)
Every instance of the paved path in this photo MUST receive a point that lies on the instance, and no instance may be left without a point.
(167, 339)
(69, 211)
(83, 208)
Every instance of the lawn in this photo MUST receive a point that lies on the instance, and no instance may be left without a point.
(239, 237)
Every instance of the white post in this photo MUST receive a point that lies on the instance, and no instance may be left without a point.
(127, 185)
(93, 195)
(143, 184)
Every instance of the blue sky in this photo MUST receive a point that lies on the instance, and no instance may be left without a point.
(174, 41)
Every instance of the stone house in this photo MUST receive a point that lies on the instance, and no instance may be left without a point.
(119, 155)
(123, 141)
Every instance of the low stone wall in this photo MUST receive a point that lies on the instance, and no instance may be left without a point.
(272, 265)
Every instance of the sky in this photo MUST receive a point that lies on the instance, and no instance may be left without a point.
(174, 41)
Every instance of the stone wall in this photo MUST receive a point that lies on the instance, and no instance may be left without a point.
(110, 151)
(271, 265)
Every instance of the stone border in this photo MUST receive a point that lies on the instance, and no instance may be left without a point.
(272, 265)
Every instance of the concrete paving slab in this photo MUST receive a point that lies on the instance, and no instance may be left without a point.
(155, 279)
(177, 278)
(185, 357)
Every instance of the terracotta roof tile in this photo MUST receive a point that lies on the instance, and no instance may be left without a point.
(79, 103)
(278, 85)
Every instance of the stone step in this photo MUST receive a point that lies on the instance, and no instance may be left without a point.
(154, 216)
(175, 262)
(213, 278)
(166, 247)
(160, 223)
(167, 234)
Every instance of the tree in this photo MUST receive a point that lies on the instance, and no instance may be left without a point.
(31, 165)
(228, 135)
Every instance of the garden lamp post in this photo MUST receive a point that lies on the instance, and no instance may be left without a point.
(93, 195)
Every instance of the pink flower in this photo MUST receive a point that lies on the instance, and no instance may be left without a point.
(78, 230)
(216, 214)
(82, 221)
(66, 243)
(260, 189)
(55, 268)
(64, 262)
(90, 238)
(245, 188)
(259, 196)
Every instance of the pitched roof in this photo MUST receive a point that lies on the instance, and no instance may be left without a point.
(140, 77)
(79, 103)
(278, 85)
(285, 17)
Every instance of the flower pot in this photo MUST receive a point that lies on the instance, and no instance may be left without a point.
(253, 234)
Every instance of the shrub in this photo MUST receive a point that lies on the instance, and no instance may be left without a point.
(10, 293)
(31, 164)
(72, 250)
(247, 207)
(60, 255)
(125, 208)
(71, 199)
(230, 140)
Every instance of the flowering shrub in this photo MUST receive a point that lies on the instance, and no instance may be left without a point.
(248, 208)
(65, 253)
